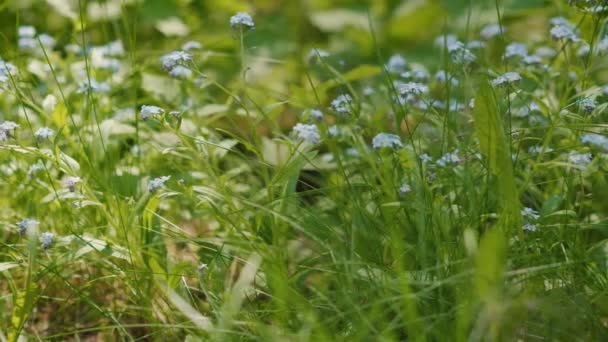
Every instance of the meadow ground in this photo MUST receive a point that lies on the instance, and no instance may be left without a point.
(323, 170)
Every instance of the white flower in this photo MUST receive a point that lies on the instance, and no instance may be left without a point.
(170, 60)
(529, 213)
(46, 239)
(242, 20)
(404, 189)
(449, 158)
(8, 126)
(49, 103)
(508, 78)
(587, 104)
(545, 51)
(47, 41)
(532, 59)
(559, 21)
(158, 183)
(530, 227)
(308, 133)
(70, 183)
(516, 49)
(333, 131)
(491, 31)
(316, 54)
(180, 71)
(342, 104)
(26, 31)
(44, 133)
(445, 40)
(26, 225)
(443, 77)
(596, 139)
(147, 111)
(425, 158)
(7, 69)
(386, 140)
(413, 88)
(396, 64)
(191, 45)
(113, 49)
(93, 87)
(314, 114)
(563, 32)
(580, 159)
(460, 54)
(417, 74)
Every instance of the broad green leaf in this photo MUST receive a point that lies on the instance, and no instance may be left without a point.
(493, 144)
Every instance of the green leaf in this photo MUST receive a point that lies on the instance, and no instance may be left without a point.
(493, 145)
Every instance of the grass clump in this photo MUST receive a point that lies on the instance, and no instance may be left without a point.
(222, 185)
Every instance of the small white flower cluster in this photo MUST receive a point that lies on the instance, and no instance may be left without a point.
(460, 54)
(490, 31)
(562, 30)
(580, 159)
(70, 183)
(386, 140)
(396, 64)
(242, 20)
(157, 183)
(342, 104)
(308, 133)
(148, 111)
(27, 224)
(174, 59)
(413, 88)
(28, 40)
(530, 216)
(46, 239)
(449, 158)
(587, 104)
(93, 86)
(44, 133)
(508, 78)
(596, 139)
(6, 130)
(404, 189)
(516, 50)
(312, 115)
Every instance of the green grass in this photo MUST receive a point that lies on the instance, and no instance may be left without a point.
(259, 234)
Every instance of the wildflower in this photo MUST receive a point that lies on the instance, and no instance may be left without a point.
(516, 49)
(47, 41)
(242, 20)
(563, 32)
(425, 158)
(559, 21)
(508, 78)
(46, 239)
(530, 227)
(491, 31)
(147, 111)
(417, 74)
(93, 86)
(170, 60)
(386, 140)
(445, 40)
(26, 31)
(27, 224)
(404, 189)
(583, 50)
(580, 159)
(180, 71)
(529, 213)
(316, 55)
(443, 77)
(157, 183)
(191, 45)
(113, 49)
(308, 133)
(342, 104)
(396, 64)
(70, 183)
(449, 158)
(475, 45)
(315, 114)
(333, 131)
(539, 149)
(175, 114)
(587, 104)
(6, 68)
(413, 88)
(532, 59)
(595, 139)
(8, 126)
(44, 133)
(545, 52)
(460, 54)
(368, 91)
